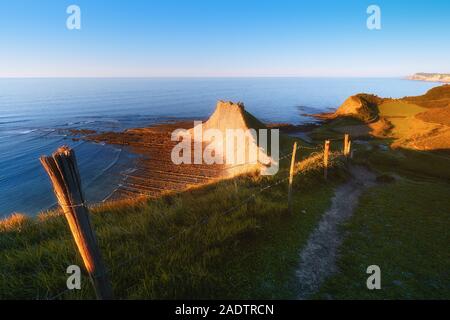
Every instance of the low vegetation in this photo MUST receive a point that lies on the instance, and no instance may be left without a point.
(196, 244)
(232, 240)
(402, 226)
(436, 97)
(416, 123)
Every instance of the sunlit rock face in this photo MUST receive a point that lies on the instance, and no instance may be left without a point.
(233, 133)
(361, 106)
(433, 77)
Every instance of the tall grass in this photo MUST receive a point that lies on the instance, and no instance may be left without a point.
(188, 245)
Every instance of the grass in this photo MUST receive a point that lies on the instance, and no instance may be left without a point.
(160, 249)
(401, 115)
(401, 225)
(404, 229)
(332, 129)
(417, 164)
(436, 97)
(399, 108)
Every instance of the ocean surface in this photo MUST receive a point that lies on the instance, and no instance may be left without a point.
(35, 115)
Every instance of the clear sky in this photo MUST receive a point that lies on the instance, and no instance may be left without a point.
(138, 38)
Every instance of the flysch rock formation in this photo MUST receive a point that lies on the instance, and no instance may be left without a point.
(233, 133)
(155, 172)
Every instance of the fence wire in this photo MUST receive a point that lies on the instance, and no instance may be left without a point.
(194, 226)
(190, 228)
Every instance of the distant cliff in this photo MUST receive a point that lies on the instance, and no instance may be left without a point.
(433, 77)
(417, 123)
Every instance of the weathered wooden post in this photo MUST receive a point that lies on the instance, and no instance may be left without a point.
(346, 145)
(325, 158)
(63, 172)
(291, 178)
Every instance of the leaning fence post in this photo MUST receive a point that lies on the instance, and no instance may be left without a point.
(63, 172)
(325, 158)
(291, 178)
(346, 149)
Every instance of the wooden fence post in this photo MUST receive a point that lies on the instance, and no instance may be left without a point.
(63, 172)
(291, 178)
(346, 149)
(325, 158)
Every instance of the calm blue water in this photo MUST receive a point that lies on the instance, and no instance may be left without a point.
(33, 112)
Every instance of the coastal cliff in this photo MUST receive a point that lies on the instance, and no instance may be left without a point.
(432, 77)
(416, 123)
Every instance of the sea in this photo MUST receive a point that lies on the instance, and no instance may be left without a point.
(37, 114)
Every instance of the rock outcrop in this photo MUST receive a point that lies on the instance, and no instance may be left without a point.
(361, 106)
(418, 123)
(432, 77)
(229, 116)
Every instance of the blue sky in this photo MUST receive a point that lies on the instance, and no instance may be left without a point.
(223, 38)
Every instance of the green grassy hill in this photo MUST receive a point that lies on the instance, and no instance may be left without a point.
(210, 242)
(401, 224)
(437, 97)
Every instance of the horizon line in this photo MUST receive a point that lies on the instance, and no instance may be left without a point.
(199, 77)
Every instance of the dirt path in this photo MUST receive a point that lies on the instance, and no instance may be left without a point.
(318, 258)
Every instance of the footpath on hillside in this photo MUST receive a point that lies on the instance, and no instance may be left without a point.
(319, 256)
